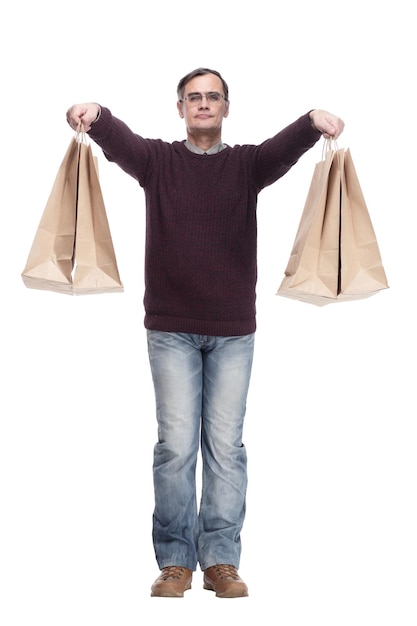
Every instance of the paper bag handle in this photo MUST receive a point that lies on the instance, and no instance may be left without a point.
(329, 145)
(80, 134)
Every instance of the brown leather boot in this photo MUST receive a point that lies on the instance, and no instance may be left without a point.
(225, 581)
(172, 582)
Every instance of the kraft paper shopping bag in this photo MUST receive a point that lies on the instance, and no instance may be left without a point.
(96, 269)
(312, 273)
(73, 251)
(50, 262)
(335, 246)
(361, 270)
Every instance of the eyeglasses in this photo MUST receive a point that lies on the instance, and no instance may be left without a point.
(212, 97)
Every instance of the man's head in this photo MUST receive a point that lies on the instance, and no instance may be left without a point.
(201, 71)
(203, 102)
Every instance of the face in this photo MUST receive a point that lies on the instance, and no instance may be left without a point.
(205, 115)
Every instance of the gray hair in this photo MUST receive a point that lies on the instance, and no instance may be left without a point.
(201, 71)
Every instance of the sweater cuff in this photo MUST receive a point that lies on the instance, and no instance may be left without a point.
(98, 114)
(99, 127)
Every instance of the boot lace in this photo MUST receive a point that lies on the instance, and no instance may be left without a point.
(226, 571)
(172, 571)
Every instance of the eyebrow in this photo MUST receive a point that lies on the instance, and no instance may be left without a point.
(199, 93)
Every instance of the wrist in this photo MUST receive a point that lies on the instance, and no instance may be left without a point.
(98, 114)
(311, 115)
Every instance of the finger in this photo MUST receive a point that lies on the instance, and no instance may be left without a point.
(72, 120)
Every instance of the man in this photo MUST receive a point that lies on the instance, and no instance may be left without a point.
(200, 279)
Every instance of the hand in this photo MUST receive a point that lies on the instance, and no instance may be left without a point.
(84, 114)
(329, 125)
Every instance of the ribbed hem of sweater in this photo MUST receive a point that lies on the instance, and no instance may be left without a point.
(200, 327)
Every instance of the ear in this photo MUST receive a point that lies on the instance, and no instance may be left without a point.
(226, 110)
(180, 111)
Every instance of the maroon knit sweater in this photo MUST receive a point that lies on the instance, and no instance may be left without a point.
(201, 228)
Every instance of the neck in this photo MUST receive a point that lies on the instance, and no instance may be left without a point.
(205, 141)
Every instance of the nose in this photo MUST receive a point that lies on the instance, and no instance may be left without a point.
(202, 105)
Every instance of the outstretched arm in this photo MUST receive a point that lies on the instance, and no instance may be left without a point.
(328, 124)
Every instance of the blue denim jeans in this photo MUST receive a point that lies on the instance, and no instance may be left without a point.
(201, 385)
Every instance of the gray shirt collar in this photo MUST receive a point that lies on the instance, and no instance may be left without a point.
(213, 150)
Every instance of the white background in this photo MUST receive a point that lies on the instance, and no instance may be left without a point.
(330, 432)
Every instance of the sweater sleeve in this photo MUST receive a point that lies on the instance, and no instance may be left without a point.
(276, 156)
(121, 145)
